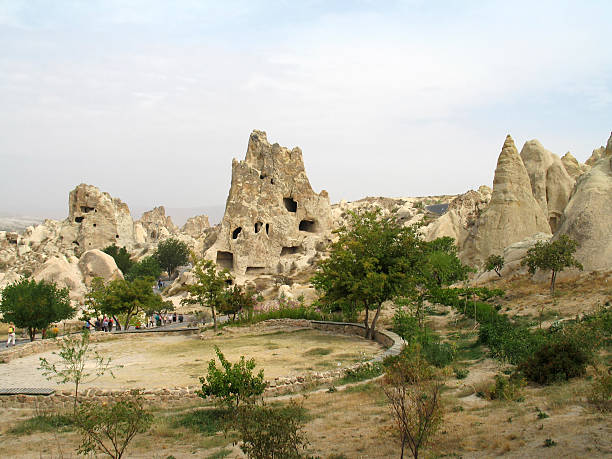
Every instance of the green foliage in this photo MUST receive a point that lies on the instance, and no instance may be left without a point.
(126, 298)
(35, 305)
(208, 421)
(171, 254)
(361, 373)
(77, 363)
(232, 384)
(461, 373)
(552, 256)
(147, 267)
(548, 443)
(286, 312)
(509, 342)
(507, 388)
(439, 354)
(48, 422)
(558, 360)
(406, 325)
(121, 257)
(209, 287)
(600, 393)
(236, 299)
(269, 432)
(109, 428)
(495, 263)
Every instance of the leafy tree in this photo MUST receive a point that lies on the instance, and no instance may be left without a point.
(121, 257)
(414, 394)
(236, 299)
(232, 384)
(171, 254)
(552, 256)
(147, 267)
(78, 364)
(209, 287)
(269, 432)
(495, 263)
(35, 305)
(110, 428)
(124, 297)
(371, 262)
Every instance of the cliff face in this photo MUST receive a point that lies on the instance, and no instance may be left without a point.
(272, 215)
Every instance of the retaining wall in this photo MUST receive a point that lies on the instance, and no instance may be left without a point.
(278, 386)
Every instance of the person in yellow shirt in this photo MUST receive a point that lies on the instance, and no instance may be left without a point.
(11, 334)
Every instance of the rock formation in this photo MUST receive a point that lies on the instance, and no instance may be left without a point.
(95, 263)
(272, 215)
(462, 213)
(588, 215)
(100, 220)
(196, 226)
(157, 225)
(512, 214)
(572, 166)
(550, 183)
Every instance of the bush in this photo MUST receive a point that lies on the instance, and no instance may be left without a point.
(362, 373)
(439, 354)
(406, 325)
(601, 390)
(461, 373)
(269, 432)
(43, 423)
(507, 388)
(556, 361)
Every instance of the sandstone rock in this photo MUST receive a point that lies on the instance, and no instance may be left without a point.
(95, 263)
(157, 225)
(512, 214)
(100, 219)
(462, 213)
(271, 214)
(550, 183)
(588, 216)
(196, 226)
(64, 274)
(573, 167)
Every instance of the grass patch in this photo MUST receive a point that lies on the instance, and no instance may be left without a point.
(220, 454)
(318, 351)
(360, 388)
(206, 421)
(364, 372)
(44, 423)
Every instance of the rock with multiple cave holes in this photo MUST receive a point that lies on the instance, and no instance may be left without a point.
(273, 218)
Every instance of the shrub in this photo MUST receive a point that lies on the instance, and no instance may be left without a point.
(556, 361)
(461, 373)
(361, 373)
(43, 423)
(507, 388)
(439, 354)
(601, 390)
(268, 432)
(406, 325)
(232, 383)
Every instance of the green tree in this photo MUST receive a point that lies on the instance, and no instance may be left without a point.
(121, 257)
(35, 305)
(78, 364)
(171, 254)
(552, 256)
(109, 428)
(209, 287)
(232, 384)
(236, 299)
(370, 263)
(495, 263)
(123, 297)
(147, 267)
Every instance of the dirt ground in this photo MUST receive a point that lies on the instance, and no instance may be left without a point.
(151, 361)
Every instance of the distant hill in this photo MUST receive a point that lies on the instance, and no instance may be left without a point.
(18, 223)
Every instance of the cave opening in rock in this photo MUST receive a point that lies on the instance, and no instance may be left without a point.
(117, 236)
(236, 232)
(94, 225)
(255, 270)
(290, 204)
(310, 226)
(258, 226)
(78, 219)
(86, 209)
(225, 259)
(289, 250)
(76, 243)
(267, 228)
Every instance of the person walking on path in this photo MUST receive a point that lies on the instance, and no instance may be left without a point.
(11, 334)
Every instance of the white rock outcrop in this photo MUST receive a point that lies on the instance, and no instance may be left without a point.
(95, 263)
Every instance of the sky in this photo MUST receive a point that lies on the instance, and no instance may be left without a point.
(150, 100)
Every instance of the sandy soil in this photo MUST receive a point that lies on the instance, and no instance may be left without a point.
(174, 361)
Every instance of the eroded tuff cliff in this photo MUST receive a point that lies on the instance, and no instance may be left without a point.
(272, 215)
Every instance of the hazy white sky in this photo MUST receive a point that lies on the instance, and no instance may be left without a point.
(150, 100)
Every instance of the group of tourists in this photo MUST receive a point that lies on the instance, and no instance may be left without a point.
(157, 320)
(105, 324)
